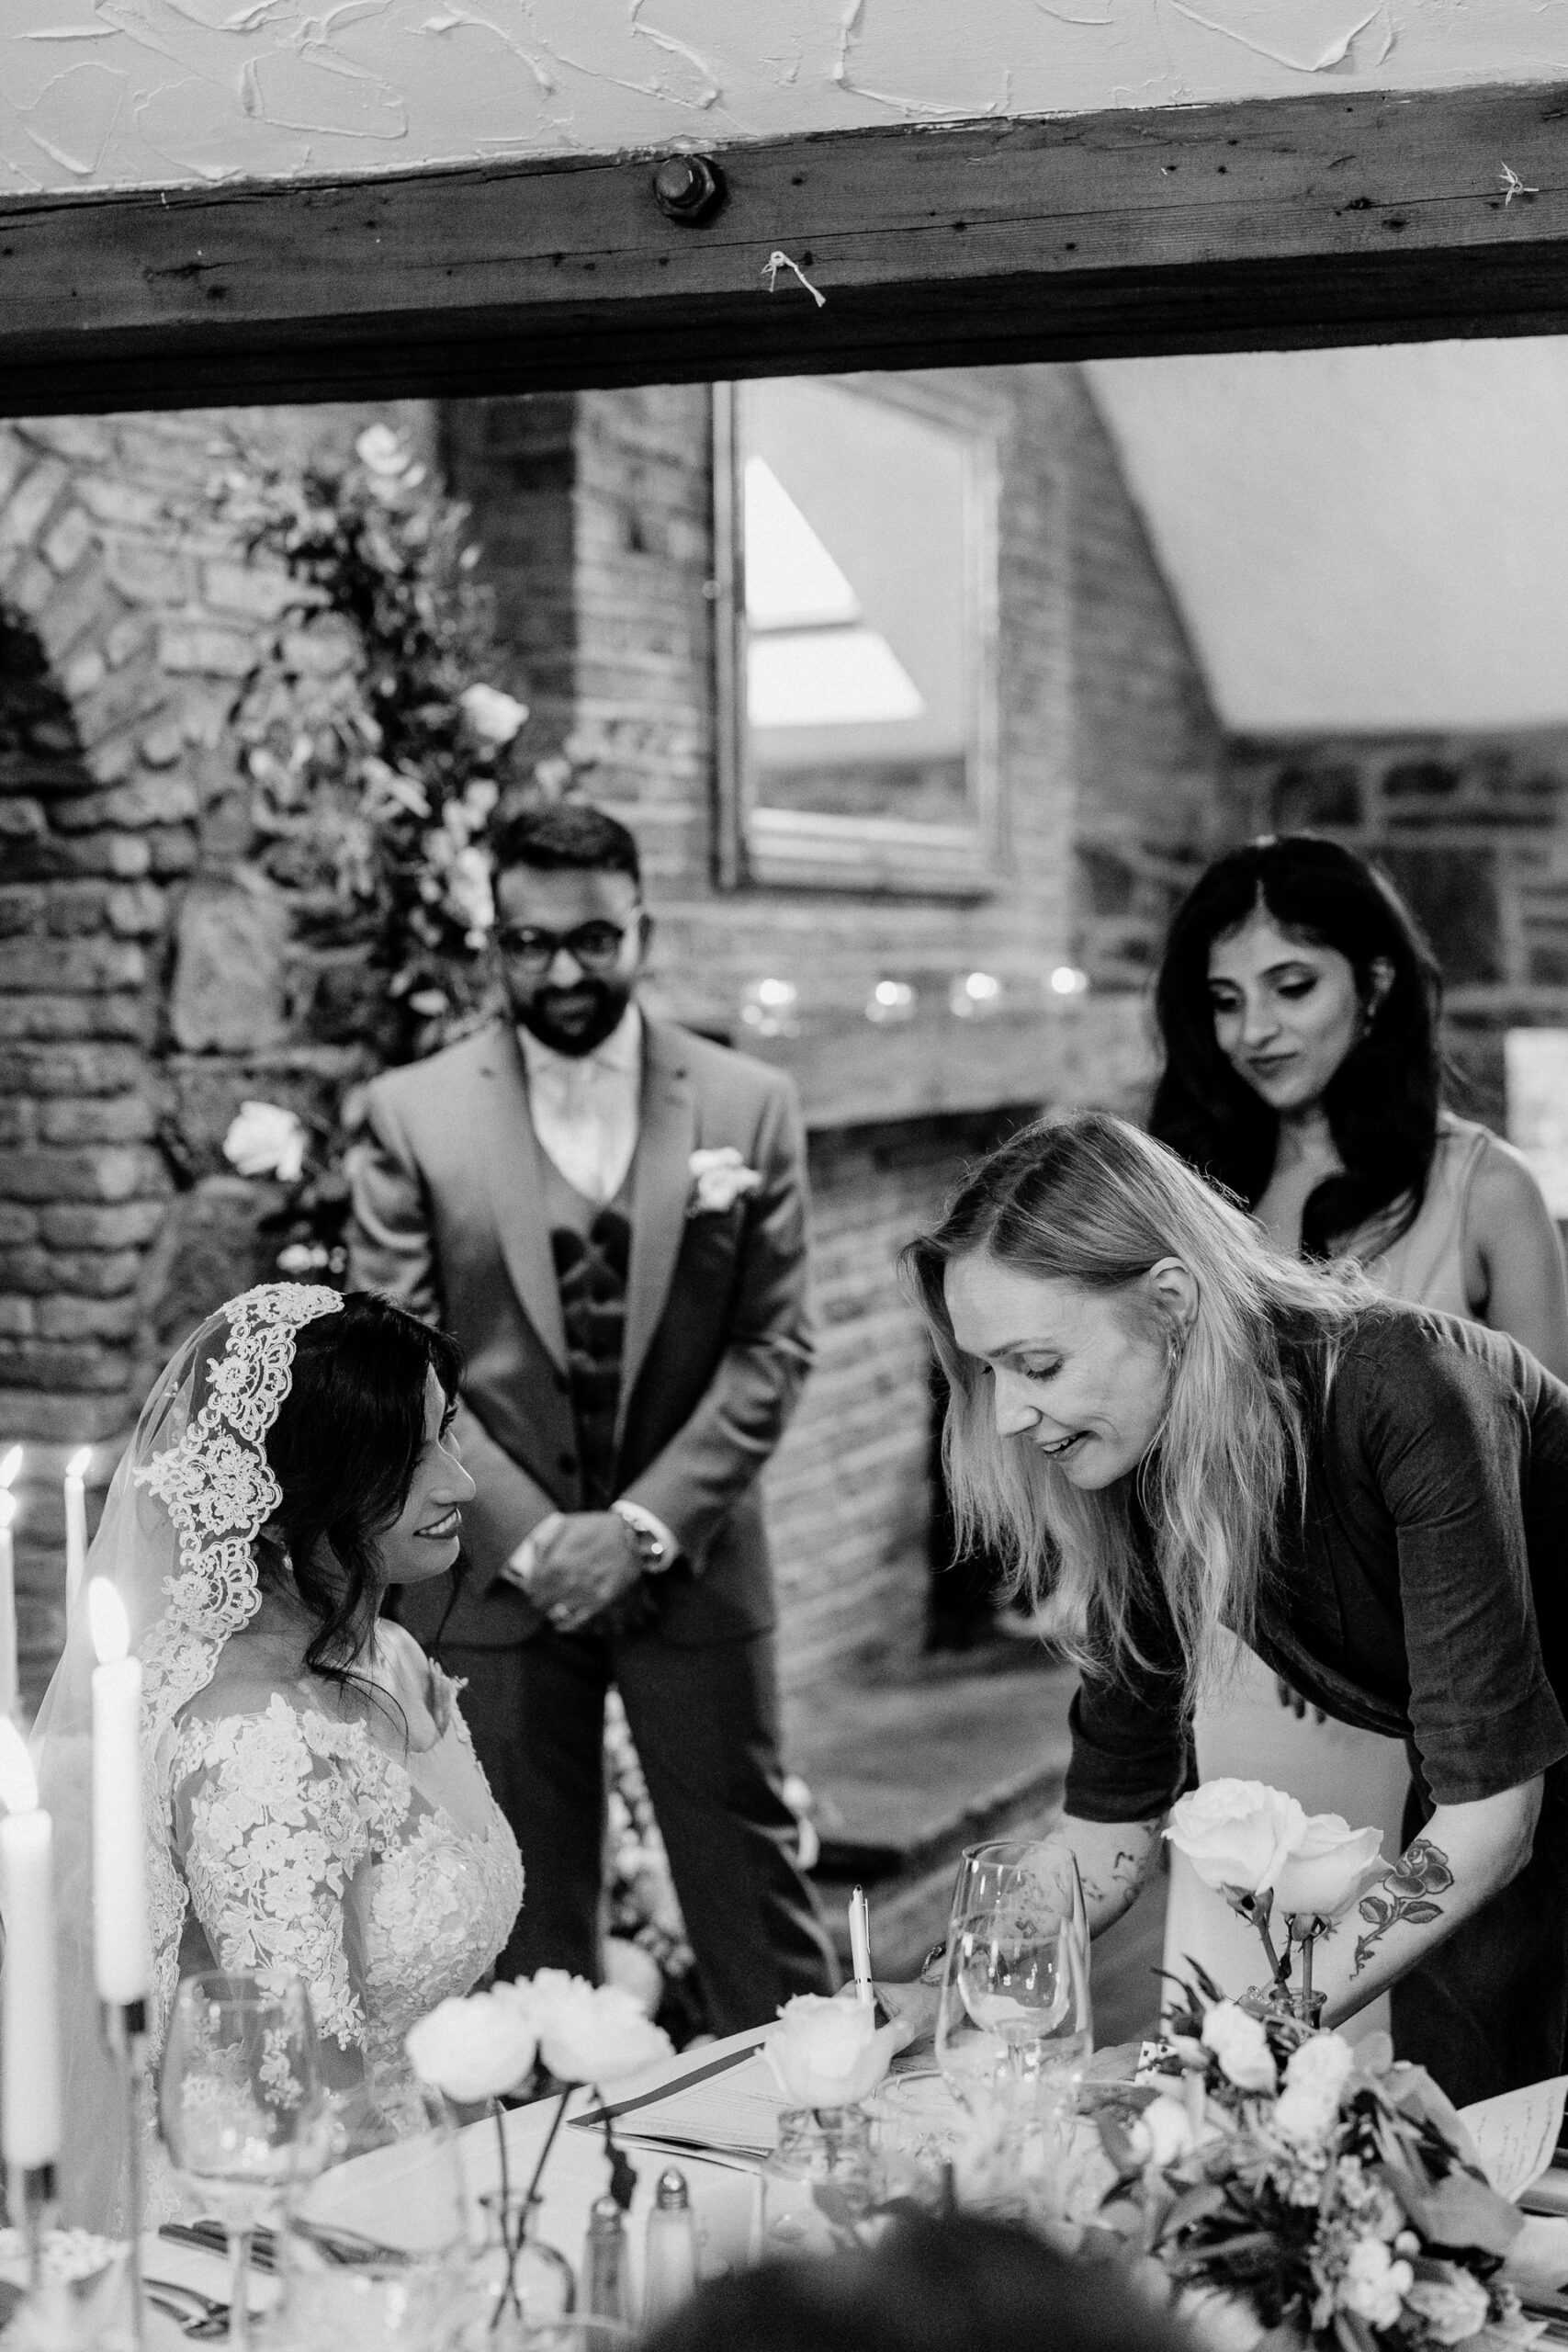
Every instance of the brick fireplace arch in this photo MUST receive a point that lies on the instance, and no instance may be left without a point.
(124, 626)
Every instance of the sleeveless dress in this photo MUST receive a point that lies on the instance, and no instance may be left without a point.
(1243, 1732)
(324, 1841)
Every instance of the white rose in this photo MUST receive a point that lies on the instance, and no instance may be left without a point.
(1374, 2285)
(590, 2033)
(1223, 2322)
(719, 1179)
(1454, 2306)
(494, 716)
(1329, 1867)
(1163, 2134)
(1238, 2042)
(1315, 2077)
(473, 2049)
(381, 450)
(264, 1139)
(1236, 1834)
(828, 2052)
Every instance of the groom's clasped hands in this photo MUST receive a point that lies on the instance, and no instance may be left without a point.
(581, 1563)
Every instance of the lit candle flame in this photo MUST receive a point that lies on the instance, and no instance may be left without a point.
(8, 1508)
(18, 1784)
(81, 1462)
(109, 1623)
(11, 1467)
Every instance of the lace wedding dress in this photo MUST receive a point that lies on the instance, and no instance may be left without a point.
(342, 1830)
(380, 1867)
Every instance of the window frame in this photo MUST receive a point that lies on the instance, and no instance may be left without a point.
(758, 846)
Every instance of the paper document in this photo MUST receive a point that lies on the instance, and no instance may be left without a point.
(731, 2105)
(1515, 2133)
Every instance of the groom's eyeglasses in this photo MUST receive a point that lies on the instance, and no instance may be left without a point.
(596, 947)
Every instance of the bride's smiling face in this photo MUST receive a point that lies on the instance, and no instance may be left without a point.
(1082, 1374)
(422, 1539)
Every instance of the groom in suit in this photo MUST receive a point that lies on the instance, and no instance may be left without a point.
(610, 1214)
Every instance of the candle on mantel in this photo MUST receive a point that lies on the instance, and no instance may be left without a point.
(76, 1471)
(29, 2074)
(121, 1948)
(7, 1605)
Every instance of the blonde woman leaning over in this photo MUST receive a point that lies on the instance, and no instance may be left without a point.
(1192, 1437)
(1297, 1005)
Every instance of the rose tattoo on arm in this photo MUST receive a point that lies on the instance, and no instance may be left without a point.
(1404, 1896)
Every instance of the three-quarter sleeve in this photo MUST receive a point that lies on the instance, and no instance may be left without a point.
(1131, 1736)
(1447, 1442)
(273, 1836)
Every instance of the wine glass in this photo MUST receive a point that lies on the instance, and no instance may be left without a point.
(241, 2107)
(374, 2249)
(1013, 2015)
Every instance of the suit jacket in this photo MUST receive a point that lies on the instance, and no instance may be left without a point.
(449, 1220)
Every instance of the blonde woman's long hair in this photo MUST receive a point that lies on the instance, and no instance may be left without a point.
(1089, 1200)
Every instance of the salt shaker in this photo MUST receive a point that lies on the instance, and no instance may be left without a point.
(670, 2263)
(606, 2282)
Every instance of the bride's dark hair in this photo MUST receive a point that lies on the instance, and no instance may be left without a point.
(1383, 1099)
(343, 1448)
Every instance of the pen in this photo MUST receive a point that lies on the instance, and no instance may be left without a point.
(860, 1945)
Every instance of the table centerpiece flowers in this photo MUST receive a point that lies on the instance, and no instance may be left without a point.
(549, 2030)
(1282, 2185)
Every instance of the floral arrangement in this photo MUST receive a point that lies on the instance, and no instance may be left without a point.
(549, 2030)
(1280, 2179)
(375, 750)
(1286, 2180)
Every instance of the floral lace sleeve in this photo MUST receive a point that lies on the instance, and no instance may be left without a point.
(272, 1820)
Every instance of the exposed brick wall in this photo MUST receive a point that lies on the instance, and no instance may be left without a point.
(849, 1490)
(1110, 753)
(127, 620)
(1474, 832)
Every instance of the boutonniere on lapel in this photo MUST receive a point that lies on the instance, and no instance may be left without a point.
(719, 1179)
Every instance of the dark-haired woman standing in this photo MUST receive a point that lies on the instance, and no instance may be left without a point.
(1297, 1004)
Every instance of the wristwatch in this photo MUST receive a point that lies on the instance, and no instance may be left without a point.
(654, 1551)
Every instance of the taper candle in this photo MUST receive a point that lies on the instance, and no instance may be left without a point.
(122, 1951)
(30, 2083)
(7, 1605)
(76, 1471)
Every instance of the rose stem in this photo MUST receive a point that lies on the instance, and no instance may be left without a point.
(510, 2296)
(549, 2143)
(1270, 1954)
(1306, 1979)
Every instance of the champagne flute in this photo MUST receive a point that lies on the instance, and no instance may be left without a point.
(240, 2106)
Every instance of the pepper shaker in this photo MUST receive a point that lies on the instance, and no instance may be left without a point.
(606, 2281)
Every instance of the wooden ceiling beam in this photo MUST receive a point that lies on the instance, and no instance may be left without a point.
(1332, 218)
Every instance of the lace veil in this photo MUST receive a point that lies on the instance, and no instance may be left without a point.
(176, 1541)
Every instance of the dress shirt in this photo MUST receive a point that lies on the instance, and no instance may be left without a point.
(586, 1107)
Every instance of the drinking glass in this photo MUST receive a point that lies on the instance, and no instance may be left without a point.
(241, 2107)
(1014, 2015)
(373, 2252)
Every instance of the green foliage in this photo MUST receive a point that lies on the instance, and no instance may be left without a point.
(373, 751)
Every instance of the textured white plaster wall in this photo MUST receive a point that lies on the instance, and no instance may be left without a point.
(145, 93)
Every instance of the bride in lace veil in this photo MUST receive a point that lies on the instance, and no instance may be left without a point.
(195, 1538)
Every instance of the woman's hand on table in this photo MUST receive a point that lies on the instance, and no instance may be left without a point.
(912, 2005)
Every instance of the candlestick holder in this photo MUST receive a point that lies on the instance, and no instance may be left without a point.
(33, 2197)
(125, 2032)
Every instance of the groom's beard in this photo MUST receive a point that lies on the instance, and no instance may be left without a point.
(575, 1021)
